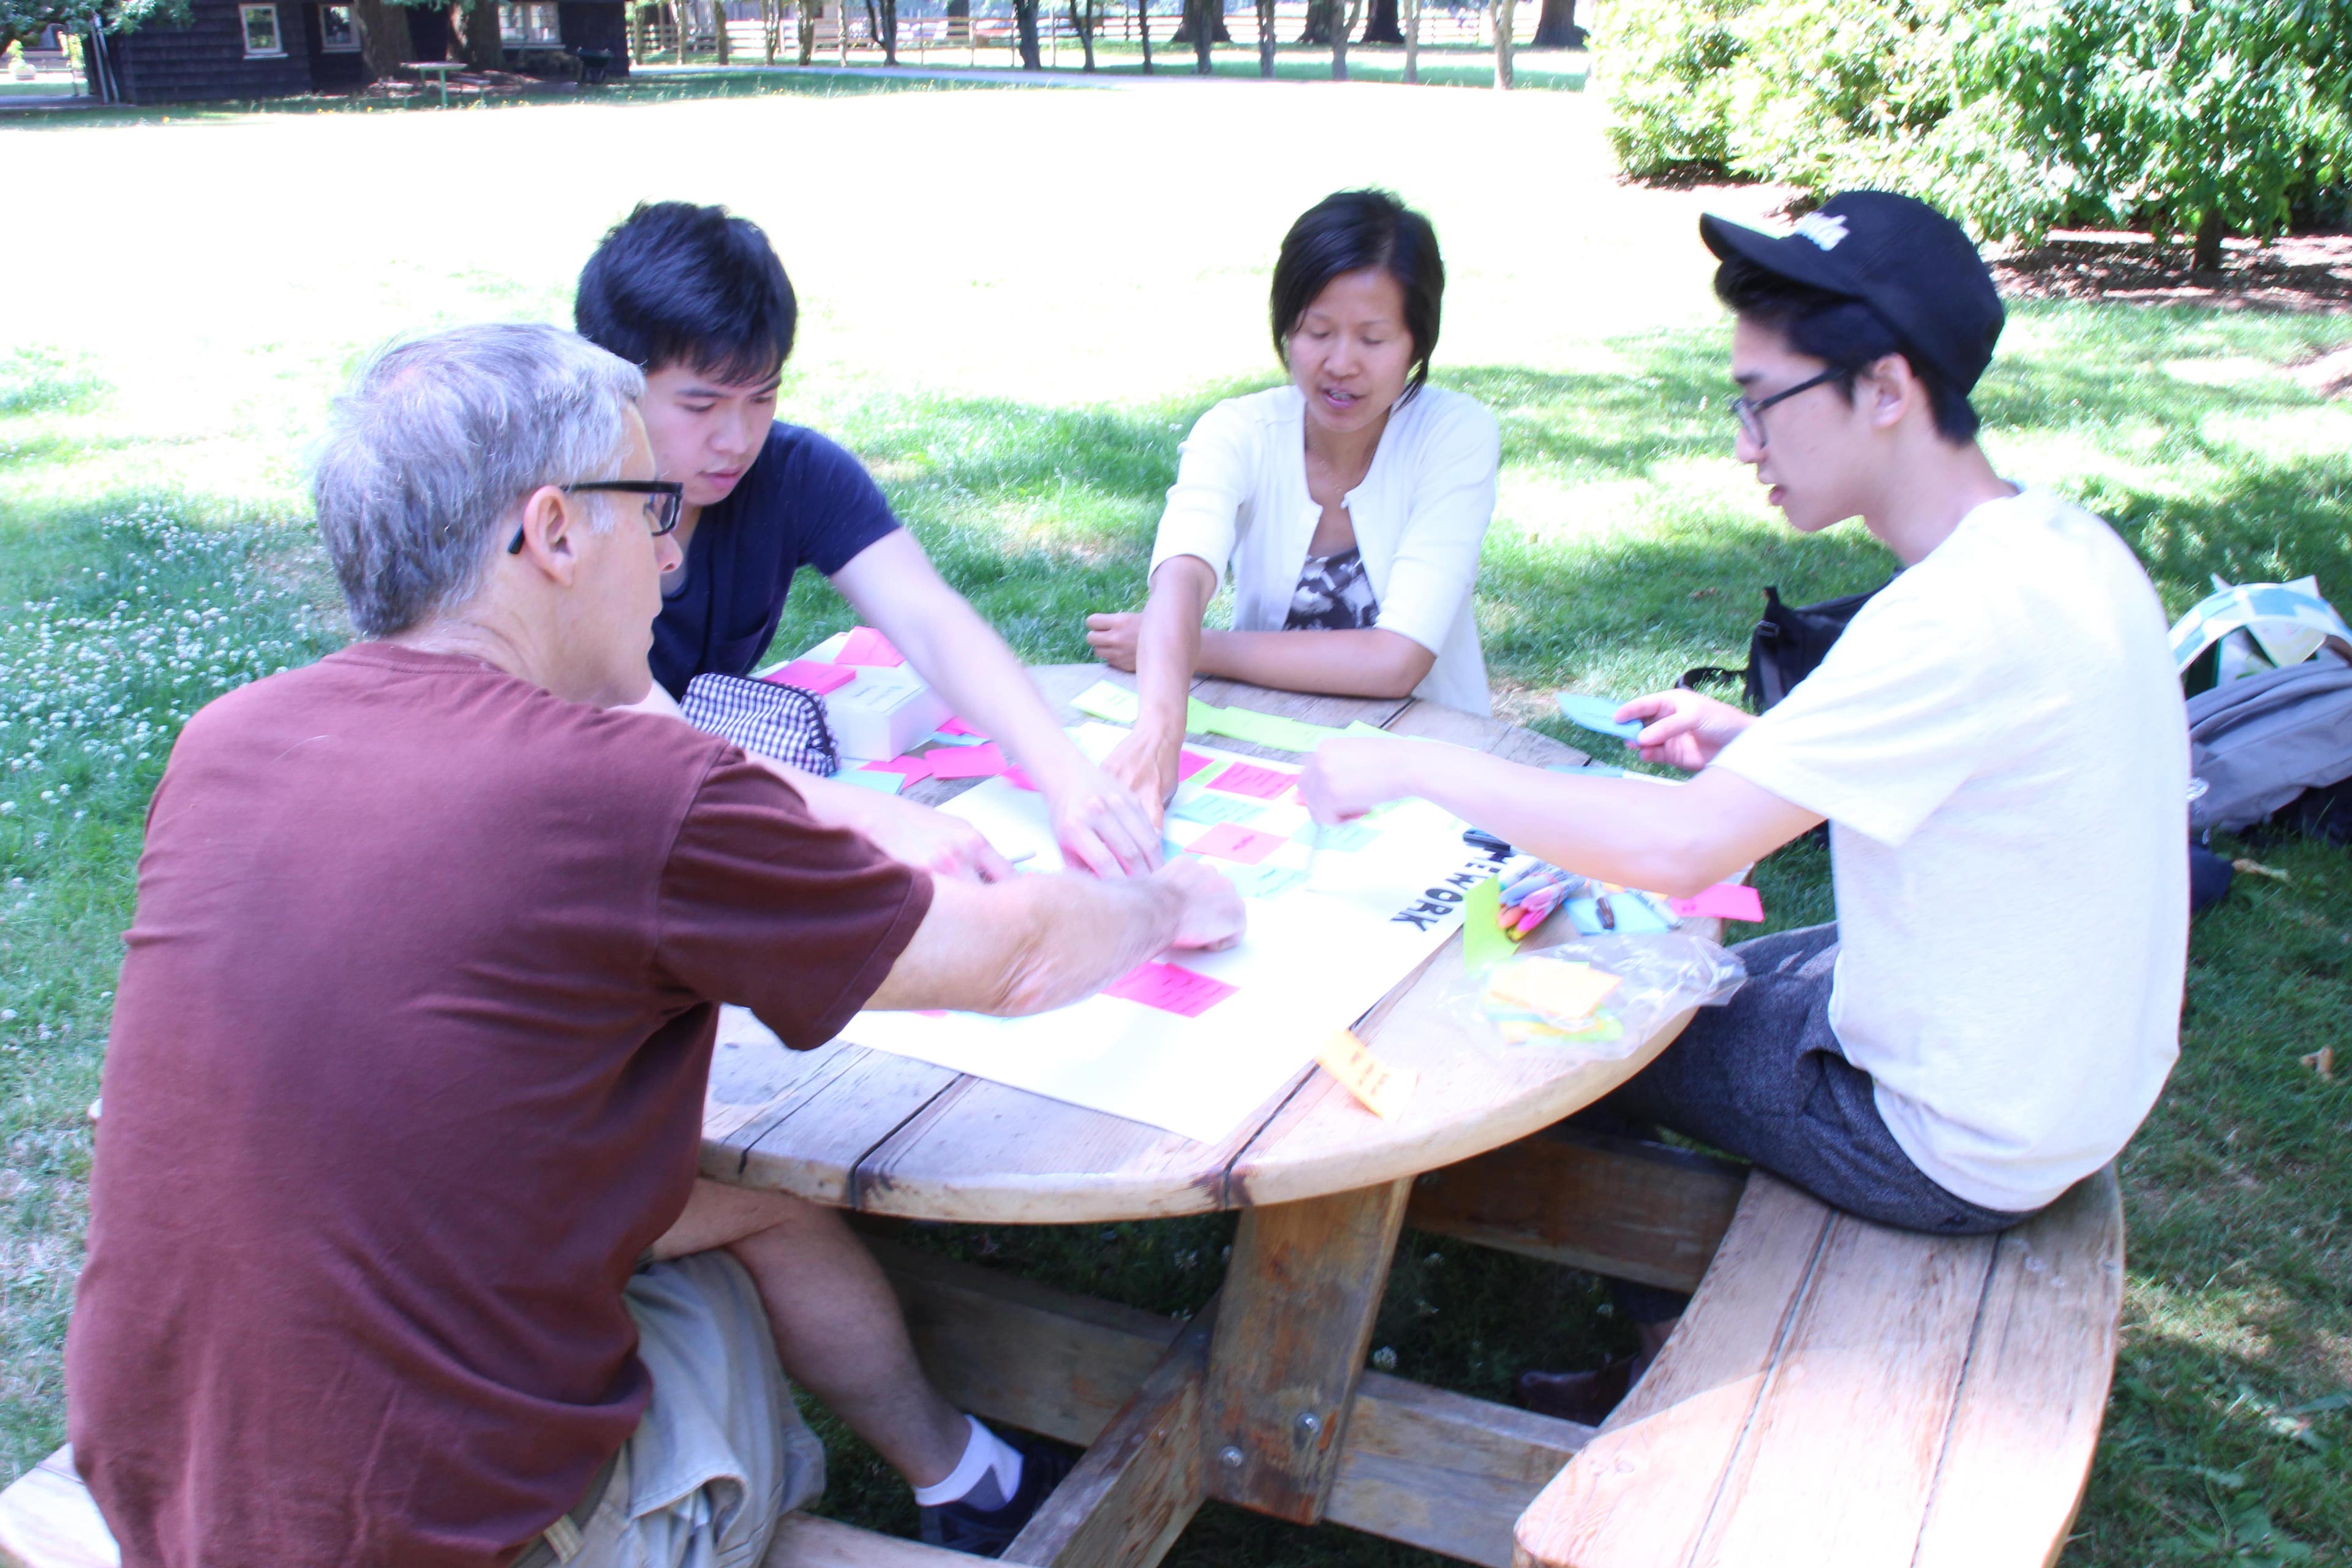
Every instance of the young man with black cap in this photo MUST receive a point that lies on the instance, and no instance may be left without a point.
(1996, 741)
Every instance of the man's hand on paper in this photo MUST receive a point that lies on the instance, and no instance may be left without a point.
(937, 842)
(1102, 825)
(1214, 916)
(1683, 729)
(1113, 637)
(1344, 779)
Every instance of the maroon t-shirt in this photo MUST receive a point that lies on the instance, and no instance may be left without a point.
(407, 1073)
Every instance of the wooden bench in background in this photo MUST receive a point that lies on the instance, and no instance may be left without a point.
(1840, 1395)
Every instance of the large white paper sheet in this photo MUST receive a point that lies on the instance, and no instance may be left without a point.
(1316, 955)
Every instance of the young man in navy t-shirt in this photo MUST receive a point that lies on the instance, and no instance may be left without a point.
(699, 300)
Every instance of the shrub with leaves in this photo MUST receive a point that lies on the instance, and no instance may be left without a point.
(2187, 117)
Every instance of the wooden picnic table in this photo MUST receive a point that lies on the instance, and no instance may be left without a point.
(1263, 1399)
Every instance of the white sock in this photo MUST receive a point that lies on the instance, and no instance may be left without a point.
(986, 1476)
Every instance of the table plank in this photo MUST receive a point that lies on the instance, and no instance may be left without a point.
(1047, 1162)
(809, 1138)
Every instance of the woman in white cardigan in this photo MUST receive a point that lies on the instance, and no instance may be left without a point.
(1351, 504)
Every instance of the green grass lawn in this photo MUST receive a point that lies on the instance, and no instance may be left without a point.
(1014, 303)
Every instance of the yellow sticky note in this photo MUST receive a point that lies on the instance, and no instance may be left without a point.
(1562, 990)
(1382, 1088)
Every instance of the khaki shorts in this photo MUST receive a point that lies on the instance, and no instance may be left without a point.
(721, 1454)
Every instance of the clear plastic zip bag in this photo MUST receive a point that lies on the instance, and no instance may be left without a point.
(1600, 996)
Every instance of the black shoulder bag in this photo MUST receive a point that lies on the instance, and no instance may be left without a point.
(1788, 645)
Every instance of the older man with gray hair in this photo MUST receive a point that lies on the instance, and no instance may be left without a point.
(397, 1252)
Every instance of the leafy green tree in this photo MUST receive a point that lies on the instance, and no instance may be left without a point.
(26, 21)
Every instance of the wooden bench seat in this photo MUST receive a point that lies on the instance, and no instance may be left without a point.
(47, 1521)
(1843, 1396)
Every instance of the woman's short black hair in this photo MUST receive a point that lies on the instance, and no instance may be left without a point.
(674, 283)
(1348, 232)
(1843, 334)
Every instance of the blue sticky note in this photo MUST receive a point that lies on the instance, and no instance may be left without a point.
(1599, 713)
(1634, 916)
(872, 778)
(1337, 836)
(1212, 806)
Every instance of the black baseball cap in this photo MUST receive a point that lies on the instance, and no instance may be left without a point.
(1916, 269)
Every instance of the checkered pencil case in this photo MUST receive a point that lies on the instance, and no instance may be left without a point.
(779, 721)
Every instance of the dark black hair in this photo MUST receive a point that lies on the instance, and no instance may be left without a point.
(674, 283)
(1843, 334)
(1348, 232)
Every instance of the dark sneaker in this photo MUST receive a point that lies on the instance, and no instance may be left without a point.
(960, 1527)
(1583, 1396)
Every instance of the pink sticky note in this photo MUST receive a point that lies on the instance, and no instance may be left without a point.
(1170, 988)
(1020, 780)
(1188, 763)
(1725, 901)
(866, 646)
(913, 767)
(957, 727)
(1229, 841)
(810, 676)
(981, 761)
(1246, 778)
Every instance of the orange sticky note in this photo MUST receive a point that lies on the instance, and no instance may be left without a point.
(1384, 1089)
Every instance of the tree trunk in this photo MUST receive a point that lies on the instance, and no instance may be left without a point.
(806, 29)
(1381, 27)
(1503, 45)
(1084, 23)
(1318, 21)
(719, 19)
(1266, 38)
(2206, 256)
(474, 28)
(384, 36)
(1411, 41)
(1557, 28)
(889, 32)
(677, 16)
(1193, 8)
(1143, 27)
(768, 23)
(1343, 22)
(1024, 18)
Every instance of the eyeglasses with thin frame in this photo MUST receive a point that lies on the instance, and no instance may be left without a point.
(1749, 411)
(665, 502)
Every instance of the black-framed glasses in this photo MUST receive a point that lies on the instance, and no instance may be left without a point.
(665, 503)
(1749, 411)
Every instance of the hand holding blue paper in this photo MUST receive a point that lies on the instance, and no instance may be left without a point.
(1599, 713)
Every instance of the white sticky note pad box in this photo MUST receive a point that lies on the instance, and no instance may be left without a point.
(882, 713)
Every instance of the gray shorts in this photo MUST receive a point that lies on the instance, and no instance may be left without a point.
(1762, 1077)
(721, 1453)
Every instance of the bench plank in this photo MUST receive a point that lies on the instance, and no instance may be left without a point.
(1839, 1458)
(2007, 1489)
(1444, 1471)
(1640, 1493)
(49, 1520)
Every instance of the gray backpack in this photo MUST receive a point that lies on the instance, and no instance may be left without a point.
(2266, 742)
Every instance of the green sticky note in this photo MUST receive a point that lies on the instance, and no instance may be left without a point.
(1268, 729)
(1211, 806)
(1199, 716)
(1264, 881)
(1361, 728)
(1337, 836)
(1111, 704)
(1484, 943)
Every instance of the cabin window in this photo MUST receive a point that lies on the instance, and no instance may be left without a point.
(533, 23)
(260, 30)
(339, 33)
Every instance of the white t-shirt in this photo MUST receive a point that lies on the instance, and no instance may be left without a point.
(1999, 743)
(1420, 516)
